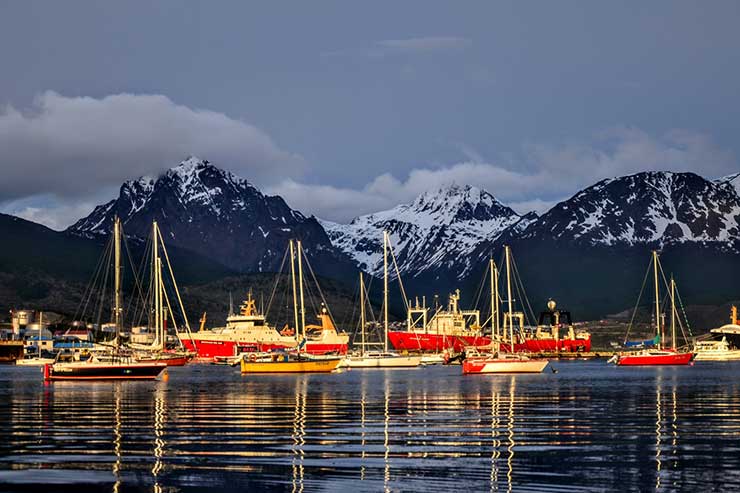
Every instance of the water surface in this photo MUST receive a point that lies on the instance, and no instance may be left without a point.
(588, 427)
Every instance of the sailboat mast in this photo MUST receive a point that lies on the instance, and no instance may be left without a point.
(117, 255)
(385, 289)
(673, 313)
(41, 327)
(508, 295)
(157, 284)
(362, 314)
(657, 296)
(295, 292)
(494, 299)
(300, 288)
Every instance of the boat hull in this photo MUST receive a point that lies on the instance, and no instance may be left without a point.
(103, 371)
(167, 359)
(34, 361)
(655, 359)
(305, 366)
(495, 365)
(210, 349)
(730, 355)
(382, 362)
(412, 341)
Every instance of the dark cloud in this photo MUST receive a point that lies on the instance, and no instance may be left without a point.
(71, 146)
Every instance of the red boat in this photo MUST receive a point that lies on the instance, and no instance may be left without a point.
(554, 333)
(655, 357)
(451, 328)
(250, 329)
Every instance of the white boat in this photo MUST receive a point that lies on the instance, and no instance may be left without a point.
(715, 351)
(434, 359)
(498, 361)
(503, 363)
(381, 359)
(384, 358)
(36, 360)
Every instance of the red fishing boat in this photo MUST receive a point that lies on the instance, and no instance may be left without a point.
(451, 328)
(249, 329)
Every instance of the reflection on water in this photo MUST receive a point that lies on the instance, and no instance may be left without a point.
(588, 427)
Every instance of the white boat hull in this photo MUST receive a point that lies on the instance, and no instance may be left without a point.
(34, 361)
(382, 361)
(730, 355)
(494, 365)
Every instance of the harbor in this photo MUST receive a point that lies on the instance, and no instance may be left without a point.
(376, 430)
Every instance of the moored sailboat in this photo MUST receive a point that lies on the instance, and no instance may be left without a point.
(161, 311)
(118, 363)
(293, 361)
(384, 358)
(499, 361)
(658, 356)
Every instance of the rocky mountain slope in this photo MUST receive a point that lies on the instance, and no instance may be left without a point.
(438, 231)
(217, 214)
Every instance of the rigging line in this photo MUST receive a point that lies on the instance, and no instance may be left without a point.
(639, 297)
(81, 312)
(518, 279)
(99, 316)
(481, 287)
(137, 283)
(275, 284)
(174, 284)
(683, 311)
(398, 274)
(141, 308)
(313, 276)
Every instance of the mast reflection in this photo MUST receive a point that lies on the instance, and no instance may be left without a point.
(117, 437)
(510, 435)
(386, 443)
(299, 434)
(159, 443)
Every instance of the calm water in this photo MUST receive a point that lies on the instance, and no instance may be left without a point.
(590, 427)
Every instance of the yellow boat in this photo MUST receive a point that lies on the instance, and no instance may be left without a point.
(285, 363)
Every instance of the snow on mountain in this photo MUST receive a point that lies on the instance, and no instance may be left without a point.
(733, 180)
(436, 231)
(209, 210)
(656, 208)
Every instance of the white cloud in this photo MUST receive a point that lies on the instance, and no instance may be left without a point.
(51, 211)
(546, 174)
(70, 146)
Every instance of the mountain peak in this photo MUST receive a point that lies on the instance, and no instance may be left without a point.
(438, 228)
(212, 211)
(652, 207)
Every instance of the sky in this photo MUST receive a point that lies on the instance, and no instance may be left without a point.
(345, 108)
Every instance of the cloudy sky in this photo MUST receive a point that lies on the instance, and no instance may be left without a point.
(345, 108)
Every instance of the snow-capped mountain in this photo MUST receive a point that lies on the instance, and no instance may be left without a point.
(650, 208)
(436, 232)
(213, 212)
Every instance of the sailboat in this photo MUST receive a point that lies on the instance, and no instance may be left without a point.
(118, 363)
(157, 351)
(384, 358)
(500, 361)
(658, 355)
(292, 361)
(37, 360)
